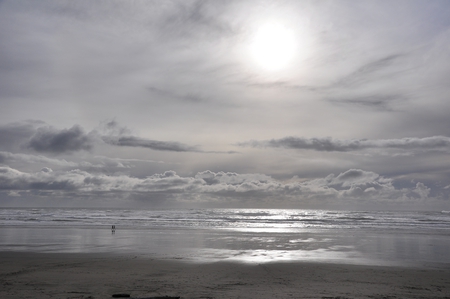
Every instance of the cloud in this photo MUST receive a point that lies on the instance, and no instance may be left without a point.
(377, 102)
(230, 178)
(7, 157)
(190, 97)
(126, 160)
(113, 128)
(198, 19)
(13, 135)
(115, 134)
(370, 70)
(42, 138)
(354, 185)
(133, 141)
(421, 190)
(183, 68)
(337, 145)
(96, 164)
(120, 136)
(15, 180)
(51, 140)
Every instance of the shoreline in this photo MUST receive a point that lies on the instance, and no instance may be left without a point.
(95, 275)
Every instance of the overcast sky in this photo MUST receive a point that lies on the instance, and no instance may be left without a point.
(301, 104)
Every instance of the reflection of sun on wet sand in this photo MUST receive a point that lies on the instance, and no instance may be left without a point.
(49, 275)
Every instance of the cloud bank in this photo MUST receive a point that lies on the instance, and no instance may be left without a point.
(352, 186)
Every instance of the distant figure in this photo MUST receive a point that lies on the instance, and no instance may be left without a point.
(113, 229)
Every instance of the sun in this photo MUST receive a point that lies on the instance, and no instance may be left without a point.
(273, 46)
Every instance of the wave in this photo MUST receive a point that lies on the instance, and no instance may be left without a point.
(227, 218)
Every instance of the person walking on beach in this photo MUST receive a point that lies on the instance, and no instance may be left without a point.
(113, 229)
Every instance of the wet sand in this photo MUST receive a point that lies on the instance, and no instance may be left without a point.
(58, 275)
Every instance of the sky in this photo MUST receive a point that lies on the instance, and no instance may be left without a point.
(244, 104)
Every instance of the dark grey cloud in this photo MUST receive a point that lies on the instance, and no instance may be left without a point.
(157, 145)
(115, 134)
(51, 140)
(133, 141)
(14, 135)
(40, 137)
(337, 145)
(45, 139)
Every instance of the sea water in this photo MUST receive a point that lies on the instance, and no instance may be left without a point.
(245, 235)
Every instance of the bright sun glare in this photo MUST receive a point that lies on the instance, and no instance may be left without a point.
(273, 46)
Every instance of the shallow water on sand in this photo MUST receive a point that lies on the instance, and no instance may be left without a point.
(245, 235)
(355, 246)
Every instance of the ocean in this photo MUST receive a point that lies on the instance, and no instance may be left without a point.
(240, 235)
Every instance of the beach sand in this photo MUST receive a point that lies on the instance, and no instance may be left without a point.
(55, 275)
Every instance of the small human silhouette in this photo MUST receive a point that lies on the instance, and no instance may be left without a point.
(113, 229)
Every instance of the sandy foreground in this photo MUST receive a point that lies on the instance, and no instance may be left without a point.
(51, 275)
